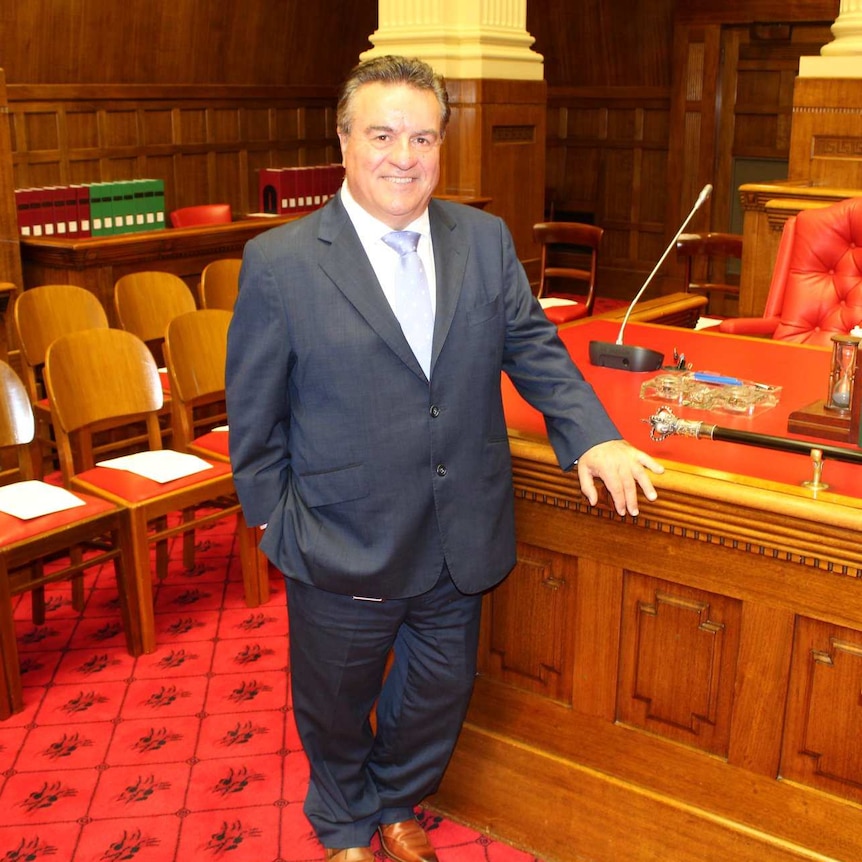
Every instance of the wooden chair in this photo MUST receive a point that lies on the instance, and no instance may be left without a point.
(98, 378)
(559, 265)
(705, 258)
(220, 283)
(201, 214)
(42, 314)
(48, 548)
(145, 303)
(196, 352)
(8, 292)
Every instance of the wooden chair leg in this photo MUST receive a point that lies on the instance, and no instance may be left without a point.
(254, 563)
(76, 554)
(188, 542)
(11, 691)
(130, 600)
(137, 542)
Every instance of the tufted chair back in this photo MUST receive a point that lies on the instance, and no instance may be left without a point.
(816, 288)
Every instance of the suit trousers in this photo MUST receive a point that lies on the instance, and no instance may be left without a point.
(339, 646)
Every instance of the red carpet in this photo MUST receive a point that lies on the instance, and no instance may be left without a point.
(187, 754)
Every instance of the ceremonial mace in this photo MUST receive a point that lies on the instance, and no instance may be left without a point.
(664, 423)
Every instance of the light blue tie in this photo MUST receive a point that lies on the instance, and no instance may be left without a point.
(412, 296)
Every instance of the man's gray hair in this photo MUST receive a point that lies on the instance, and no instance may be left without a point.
(391, 70)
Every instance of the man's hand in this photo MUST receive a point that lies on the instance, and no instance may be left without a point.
(622, 468)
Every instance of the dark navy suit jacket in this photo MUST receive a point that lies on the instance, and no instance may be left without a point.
(368, 476)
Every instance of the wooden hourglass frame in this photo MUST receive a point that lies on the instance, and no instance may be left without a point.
(837, 416)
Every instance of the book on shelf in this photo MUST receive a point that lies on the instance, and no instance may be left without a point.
(297, 189)
(91, 209)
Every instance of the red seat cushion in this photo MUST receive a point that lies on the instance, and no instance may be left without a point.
(565, 312)
(133, 488)
(13, 530)
(211, 444)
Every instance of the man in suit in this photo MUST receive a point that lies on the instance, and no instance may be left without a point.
(382, 471)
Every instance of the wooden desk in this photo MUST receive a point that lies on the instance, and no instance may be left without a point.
(97, 262)
(683, 685)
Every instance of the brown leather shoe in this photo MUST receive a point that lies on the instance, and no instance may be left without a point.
(350, 854)
(406, 842)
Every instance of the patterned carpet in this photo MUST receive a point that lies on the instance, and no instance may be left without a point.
(187, 754)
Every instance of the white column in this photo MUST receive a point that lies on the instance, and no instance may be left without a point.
(461, 39)
(842, 57)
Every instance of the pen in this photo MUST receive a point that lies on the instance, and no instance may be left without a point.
(708, 377)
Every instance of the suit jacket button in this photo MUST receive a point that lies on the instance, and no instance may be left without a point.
(434, 411)
(441, 469)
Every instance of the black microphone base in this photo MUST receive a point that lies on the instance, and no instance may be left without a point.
(625, 356)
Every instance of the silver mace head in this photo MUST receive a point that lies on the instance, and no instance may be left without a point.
(664, 422)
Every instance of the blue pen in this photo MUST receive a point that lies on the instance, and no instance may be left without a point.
(707, 377)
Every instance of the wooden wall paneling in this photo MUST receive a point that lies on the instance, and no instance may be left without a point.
(748, 11)
(205, 149)
(826, 141)
(231, 42)
(693, 137)
(607, 157)
(495, 147)
(10, 252)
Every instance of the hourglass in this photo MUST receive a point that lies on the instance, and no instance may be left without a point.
(842, 373)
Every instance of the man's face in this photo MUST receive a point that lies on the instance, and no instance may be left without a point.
(392, 154)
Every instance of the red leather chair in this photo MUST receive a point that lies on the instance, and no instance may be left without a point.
(816, 288)
(201, 214)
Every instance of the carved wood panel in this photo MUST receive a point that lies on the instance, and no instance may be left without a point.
(525, 624)
(678, 654)
(824, 710)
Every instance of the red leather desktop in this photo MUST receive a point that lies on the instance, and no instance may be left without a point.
(802, 371)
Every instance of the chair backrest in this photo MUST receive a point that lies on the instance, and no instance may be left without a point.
(705, 256)
(42, 314)
(220, 283)
(559, 242)
(146, 302)
(196, 352)
(99, 379)
(201, 214)
(816, 288)
(17, 424)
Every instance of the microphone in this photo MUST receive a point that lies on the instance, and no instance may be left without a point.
(615, 354)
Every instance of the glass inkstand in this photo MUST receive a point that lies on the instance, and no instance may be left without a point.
(842, 373)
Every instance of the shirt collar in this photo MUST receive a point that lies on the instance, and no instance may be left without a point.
(371, 229)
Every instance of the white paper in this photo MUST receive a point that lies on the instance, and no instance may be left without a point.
(34, 499)
(160, 465)
(707, 322)
(552, 301)
(220, 428)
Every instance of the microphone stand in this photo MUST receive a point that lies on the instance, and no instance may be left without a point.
(630, 358)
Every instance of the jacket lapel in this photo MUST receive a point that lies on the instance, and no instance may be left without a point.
(450, 261)
(346, 264)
